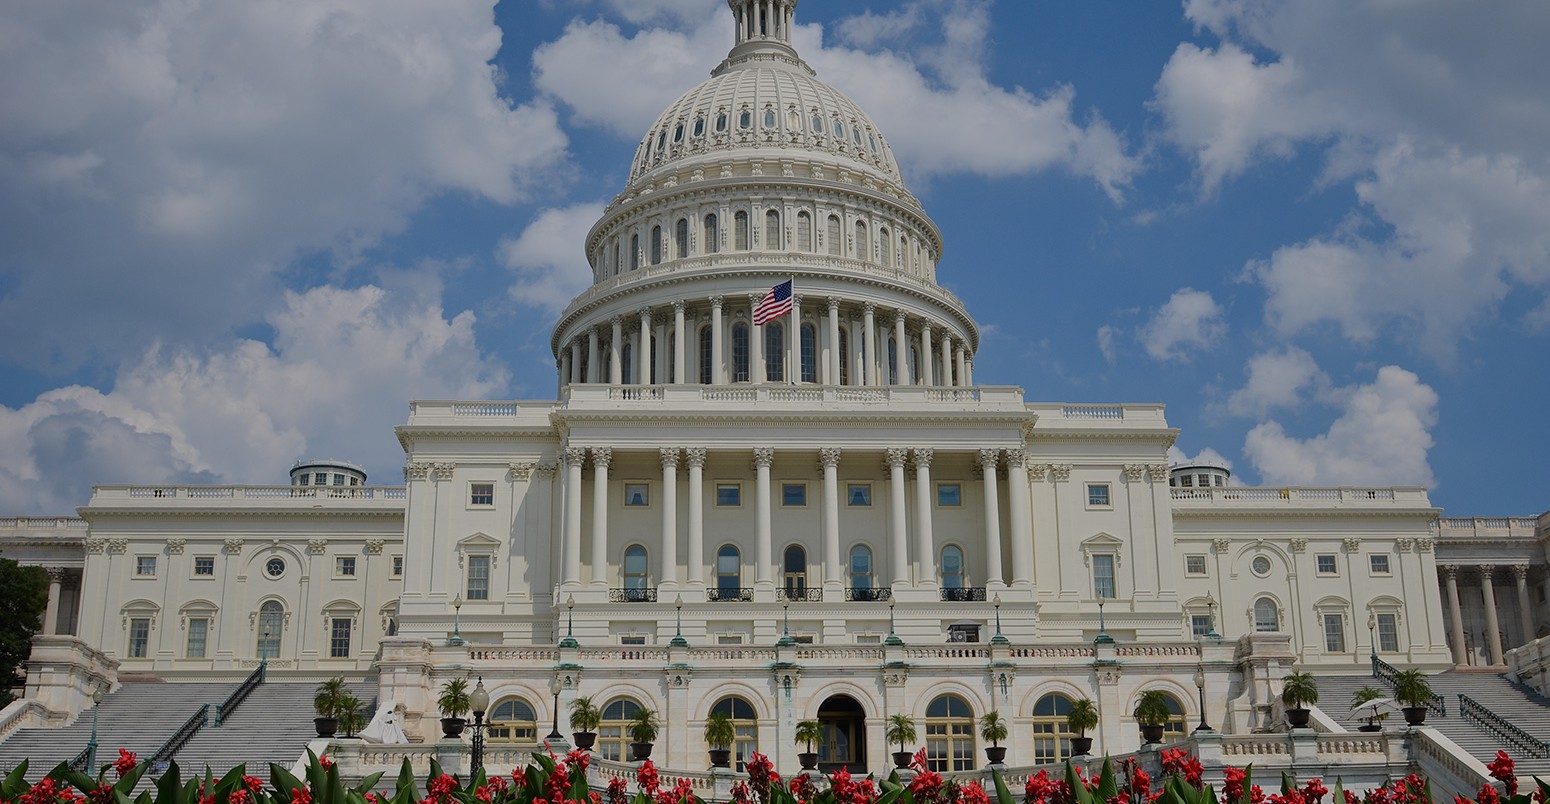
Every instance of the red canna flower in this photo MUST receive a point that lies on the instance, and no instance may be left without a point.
(125, 763)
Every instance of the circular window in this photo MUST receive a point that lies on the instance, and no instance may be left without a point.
(1261, 565)
(274, 567)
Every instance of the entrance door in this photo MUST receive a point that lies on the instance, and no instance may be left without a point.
(844, 735)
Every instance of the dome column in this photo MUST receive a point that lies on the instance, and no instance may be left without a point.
(832, 365)
(573, 374)
(794, 342)
(963, 376)
(947, 357)
(925, 353)
(869, 334)
(615, 352)
(643, 349)
(679, 370)
(968, 370)
(901, 351)
(717, 367)
(593, 366)
(755, 343)
(858, 355)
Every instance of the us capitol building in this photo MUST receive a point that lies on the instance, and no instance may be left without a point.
(818, 517)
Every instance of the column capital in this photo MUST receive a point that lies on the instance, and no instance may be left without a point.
(989, 458)
(695, 456)
(575, 456)
(521, 470)
(56, 575)
(1486, 572)
(601, 457)
(896, 457)
(669, 457)
(645, 314)
(834, 304)
(899, 317)
(417, 470)
(679, 305)
(1451, 571)
(1134, 472)
(546, 469)
(1520, 571)
(716, 301)
(1061, 472)
(617, 321)
(829, 456)
(922, 457)
(763, 457)
(869, 308)
(1018, 459)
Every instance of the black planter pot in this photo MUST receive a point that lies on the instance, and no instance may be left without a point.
(1080, 746)
(809, 760)
(452, 726)
(1415, 715)
(584, 740)
(1369, 727)
(995, 754)
(1298, 718)
(721, 757)
(1152, 735)
(642, 751)
(326, 726)
(901, 759)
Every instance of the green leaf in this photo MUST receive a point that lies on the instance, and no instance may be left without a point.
(1079, 792)
(15, 782)
(63, 773)
(1108, 785)
(436, 772)
(282, 779)
(405, 783)
(1003, 794)
(370, 782)
(1287, 785)
(168, 787)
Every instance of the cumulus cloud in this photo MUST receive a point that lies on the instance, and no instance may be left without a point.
(549, 257)
(1277, 379)
(1190, 320)
(1381, 437)
(333, 383)
(1206, 455)
(1106, 336)
(161, 161)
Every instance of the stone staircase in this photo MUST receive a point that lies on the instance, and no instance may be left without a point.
(273, 725)
(1512, 702)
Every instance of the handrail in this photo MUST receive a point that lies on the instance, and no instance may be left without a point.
(181, 737)
(1476, 713)
(82, 760)
(1385, 672)
(224, 709)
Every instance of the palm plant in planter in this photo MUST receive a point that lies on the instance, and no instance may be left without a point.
(1414, 692)
(900, 730)
(1297, 692)
(643, 732)
(719, 735)
(454, 703)
(326, 700)
(1152, 713)
(993, 729)
(807, 733)
(351, 719)
(1082, 718)
(1364, 695)
(584, 720)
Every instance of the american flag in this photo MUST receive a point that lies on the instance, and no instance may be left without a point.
(775, 304)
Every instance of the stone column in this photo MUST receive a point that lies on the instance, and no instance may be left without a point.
(669, 516)
(968, 371)
(925, 353)
(600, 459)
(794, 342)
(869, 338)
(925, 544)
(901, 354)
(680, 371)
(565, 360)
(755, 344)
(643, 349)
(56, 577)
(1450, 572)
(1492, 624)
(718, 369)
(594, 367)
(963, 375)
(616, 351)
(832, 572)
(1520, 573)
(832, 365)
(575, 361)
(898, 534)
(765, 554)
(1020, 518)
(571, 546)
(696, 457)
(947, 357)
(989, 458)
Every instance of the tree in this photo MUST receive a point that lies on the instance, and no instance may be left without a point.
(23, 597)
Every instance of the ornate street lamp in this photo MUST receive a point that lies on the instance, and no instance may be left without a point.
(457, 611)
(1372, 640)
(785, 640)
(555, 685)
(479, 701)
(570, 622)
(91, 745)
(998, 639)
(1103, 637)
(893, 639)
(678, 625)
(1200, 685)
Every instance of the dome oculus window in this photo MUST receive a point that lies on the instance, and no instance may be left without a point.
(274, 567)
(1260, 565)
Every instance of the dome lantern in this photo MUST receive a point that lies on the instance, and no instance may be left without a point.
(763, 25)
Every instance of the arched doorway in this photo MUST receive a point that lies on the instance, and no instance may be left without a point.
(844, 735)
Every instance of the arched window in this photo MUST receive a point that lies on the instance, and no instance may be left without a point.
(1174, 729)
(729, 571)
(740, 231)
(721, 121)
(271, 623)
(635, 573)
(952, 567)
(836, 243)
(681, 236)
(627, 358)
(771, 230)
(706, 368)
(656, 245)
(613, 734)
(1051, 734)
(618, 266)
(635, 252)
(1266, 617)
(861, 568)
(844, 357)
(740, 352)
(795, 565)
(863, 244)
(745, 725)
(775, 351)
(887, 242)
(949, 735)
(745, 119)
(711, 242)
(893, 361)
(809, 353)
(804, 231)
(513, 721)
(769, 117)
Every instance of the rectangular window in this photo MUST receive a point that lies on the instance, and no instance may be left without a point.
(1199, 624)
(139, 637)
(1334, 633)
(398, 566)
(793, 495)
(478, 578)
(481, 493)
(1103, 575)
(868, 639)
(198, 629)
(1186, 481)
(339, 638)
(1388, 633)
(1379, 564)
(344, 566)
(204, 565)
(145, 566)
(637, 495)
(949, 495)
(729, 639)
(858, 494)
(320, 479)
(632, 640)
(1098, 495)
(729, 495)
(1195, 565)
(1326, 564)
(339, 480)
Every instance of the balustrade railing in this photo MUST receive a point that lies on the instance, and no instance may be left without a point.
(1385, 672)
(742, 594)
(1476, 713)
(180, 738)
(964, 594)
(631, 595)
(224, 709)
(808, 594)
(867, 594)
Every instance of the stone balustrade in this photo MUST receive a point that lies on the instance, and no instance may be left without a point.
(390, 497)
(1530, 664)
(1299, 496)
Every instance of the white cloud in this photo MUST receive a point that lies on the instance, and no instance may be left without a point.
(549, 257)
(1277, 379)
(1190, 319)
(640, 11)
(1381, 437)
(334, 383)
(160, 161)
(1106, 335)
(1206, 455)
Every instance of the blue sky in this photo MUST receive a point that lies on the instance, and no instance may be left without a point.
(235, 235)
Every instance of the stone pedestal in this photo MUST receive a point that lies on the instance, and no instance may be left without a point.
(62, 674)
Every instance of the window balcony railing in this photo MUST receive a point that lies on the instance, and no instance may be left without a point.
(867, 594)
(809, 594)
(964, 594)
(631, 595)
(729, 594)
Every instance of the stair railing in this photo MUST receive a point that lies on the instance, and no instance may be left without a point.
(82, 760)
(1385, 672)
(1500, 728)
(224, 709)
(180, 738)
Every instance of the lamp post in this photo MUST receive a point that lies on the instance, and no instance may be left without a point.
(479, 701)
(1211, 615)
(998, 639)
(678, 625)
(263, 650)
(1103, 637)
(555, 685)
(570, 623)
(893, 639)
(785, 640)
(1200, 685)
(1372, 640)
(91, 745)
(457, 611)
